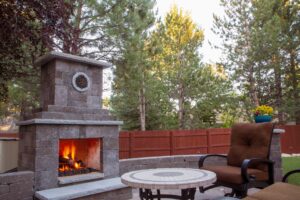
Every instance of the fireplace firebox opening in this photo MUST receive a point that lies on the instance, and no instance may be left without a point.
(79, 156)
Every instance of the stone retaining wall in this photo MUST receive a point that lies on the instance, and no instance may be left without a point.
(190, 161)
(16, 186)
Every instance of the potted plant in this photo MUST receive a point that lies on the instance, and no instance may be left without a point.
(263, 113)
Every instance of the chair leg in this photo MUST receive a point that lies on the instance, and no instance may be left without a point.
(241, 193)
(231, 194)
(201, 189)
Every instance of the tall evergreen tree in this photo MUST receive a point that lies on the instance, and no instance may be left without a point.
(235, 31)
(191, 86)
(130, 31)
(261, 41)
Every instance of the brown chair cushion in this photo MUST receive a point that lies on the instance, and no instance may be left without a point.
(249, 141)
(278, 191)
(231, 174)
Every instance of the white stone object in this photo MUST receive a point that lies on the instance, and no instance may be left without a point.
(168, 178)
(80, 190)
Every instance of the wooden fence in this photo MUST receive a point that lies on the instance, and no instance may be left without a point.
(290, 140)
(134, 144)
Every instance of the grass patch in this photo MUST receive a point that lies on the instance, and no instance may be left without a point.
(290, 163)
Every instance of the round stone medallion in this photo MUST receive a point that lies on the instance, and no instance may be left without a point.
(81, 81)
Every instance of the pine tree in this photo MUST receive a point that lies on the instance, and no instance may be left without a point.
(191, 86)
(132, 69)
(235, 30)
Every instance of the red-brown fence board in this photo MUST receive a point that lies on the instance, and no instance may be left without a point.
(150, 143)
(135, 144)
(218, 140)
(175, 142)
(189, 142)
(124, 145)
(9, 135)
(290, 140)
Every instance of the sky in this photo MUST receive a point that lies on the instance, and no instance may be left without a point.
(201, 12)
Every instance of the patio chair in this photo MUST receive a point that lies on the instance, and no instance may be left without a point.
(248, 163)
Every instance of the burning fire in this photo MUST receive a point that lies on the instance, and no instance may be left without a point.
(69, 154)
(69, 151)
(74, 156)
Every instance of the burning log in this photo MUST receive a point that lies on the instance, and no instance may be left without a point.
(68, 167)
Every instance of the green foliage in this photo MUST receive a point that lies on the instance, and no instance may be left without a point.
(261, 44)
(26, 33)
(132, 72)
(289, 164)
(196, 93)
(166, 67)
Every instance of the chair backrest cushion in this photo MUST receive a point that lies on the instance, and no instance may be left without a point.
(249, 141)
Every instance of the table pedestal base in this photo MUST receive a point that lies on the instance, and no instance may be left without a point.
(186, 194)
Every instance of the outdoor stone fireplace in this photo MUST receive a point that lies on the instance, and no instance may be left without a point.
(71, 138)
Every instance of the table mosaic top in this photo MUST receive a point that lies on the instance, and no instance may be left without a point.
(168, 178)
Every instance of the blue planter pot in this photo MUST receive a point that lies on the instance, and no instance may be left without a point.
(263, 118)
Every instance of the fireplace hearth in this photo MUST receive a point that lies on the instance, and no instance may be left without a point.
(71, 138)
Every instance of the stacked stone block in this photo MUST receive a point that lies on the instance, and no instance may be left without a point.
(275, 155)
(184, 161)
(16, 186)
(56, 79)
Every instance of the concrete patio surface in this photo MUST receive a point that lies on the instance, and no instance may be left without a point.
(208, 195)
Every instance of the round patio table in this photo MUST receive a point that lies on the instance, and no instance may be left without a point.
(185, 179)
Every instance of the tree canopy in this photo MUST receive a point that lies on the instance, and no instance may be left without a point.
(261, 44)
(159, 78)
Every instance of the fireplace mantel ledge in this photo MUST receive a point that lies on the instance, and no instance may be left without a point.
(68, 122)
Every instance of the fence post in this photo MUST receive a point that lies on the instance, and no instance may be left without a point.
(208, 141)
(130, 144)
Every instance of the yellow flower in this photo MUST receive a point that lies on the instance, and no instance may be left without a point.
(263, 110)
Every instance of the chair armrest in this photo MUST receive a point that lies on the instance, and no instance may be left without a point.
(284, 179)
(246, 163)
(202, 158)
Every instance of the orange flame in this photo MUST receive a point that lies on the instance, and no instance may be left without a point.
(64, 168)
(69, 151)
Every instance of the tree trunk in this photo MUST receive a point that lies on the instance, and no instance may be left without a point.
(278, 88)
(142, 107)
(76, 30)
(181, 107)
(252, 89)
(294, 83)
